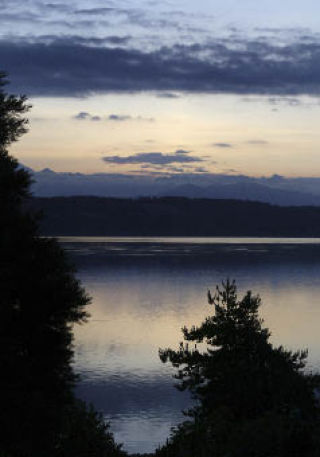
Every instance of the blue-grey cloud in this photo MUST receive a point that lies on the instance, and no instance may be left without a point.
(66, 39)
(291, 101)
(95, 11)
(223, 145)
(182, 151)
(133, 16)
(82, 116)
(155, 158)
(118, 40)
(56, 7)
(126, 117)
(24, 16)
(73, 69)
(118, 117)
(75, 15)
(176, 169)
(85, 116)
(167, 95)
(285, 101)
(201, 170)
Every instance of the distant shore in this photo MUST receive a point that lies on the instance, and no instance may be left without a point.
(173, 217)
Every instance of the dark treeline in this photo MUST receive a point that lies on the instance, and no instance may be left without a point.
(173, 216)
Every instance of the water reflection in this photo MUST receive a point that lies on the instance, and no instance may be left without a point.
(144, 292)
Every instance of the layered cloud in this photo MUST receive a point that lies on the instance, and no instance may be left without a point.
(248, 67)
(137, 16)
(182, 151)
(126, 117)
(154, 158)
(85, 116)
(222, 145)
(119, 117)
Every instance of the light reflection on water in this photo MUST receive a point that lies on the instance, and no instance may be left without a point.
(143, 293)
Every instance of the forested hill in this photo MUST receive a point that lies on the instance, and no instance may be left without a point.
(173, 216)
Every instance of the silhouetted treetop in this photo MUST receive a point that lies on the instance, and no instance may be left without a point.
(242, 382)
(12, 122)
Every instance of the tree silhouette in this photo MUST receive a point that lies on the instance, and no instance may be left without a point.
(252, 399)
(40, 301)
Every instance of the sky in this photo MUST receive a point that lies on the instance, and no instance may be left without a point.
(165, 88)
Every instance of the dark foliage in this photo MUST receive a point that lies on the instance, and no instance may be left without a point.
(173, 216)
(40, 301)
(12, 123)
(252, 399)
(85, 434)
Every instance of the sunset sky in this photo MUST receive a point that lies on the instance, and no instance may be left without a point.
(167, 87)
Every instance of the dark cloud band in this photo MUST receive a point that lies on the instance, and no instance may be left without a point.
(72, 69)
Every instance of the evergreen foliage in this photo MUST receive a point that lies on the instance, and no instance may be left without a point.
(253, 399)
(169, 216)
(40, 301)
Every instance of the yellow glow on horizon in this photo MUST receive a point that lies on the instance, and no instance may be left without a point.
(265, 138)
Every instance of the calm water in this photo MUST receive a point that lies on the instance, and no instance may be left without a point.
(145, 290)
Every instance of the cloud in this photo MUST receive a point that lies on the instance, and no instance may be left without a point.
(223, 145)
(22, 17)
(182, 151)
(118, 118)
(167, 95)
(88, 41)
(126, 117)
(257, 142)
(133, 16)
(290, 101)
(57, 7)
(81, 116)
(95, 16)
(285, 100)
(175, 169)
(85, 116)
(201, 170)
(155, 158)
(95, 11)
(69, 68)
(114, 39)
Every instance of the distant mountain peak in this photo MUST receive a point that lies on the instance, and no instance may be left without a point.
(276, 178)
(47, 170)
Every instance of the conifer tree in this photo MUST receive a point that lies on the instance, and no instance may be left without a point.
(253, 399)
(40, 301)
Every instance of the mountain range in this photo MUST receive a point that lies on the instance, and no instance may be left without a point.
(276, 189)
